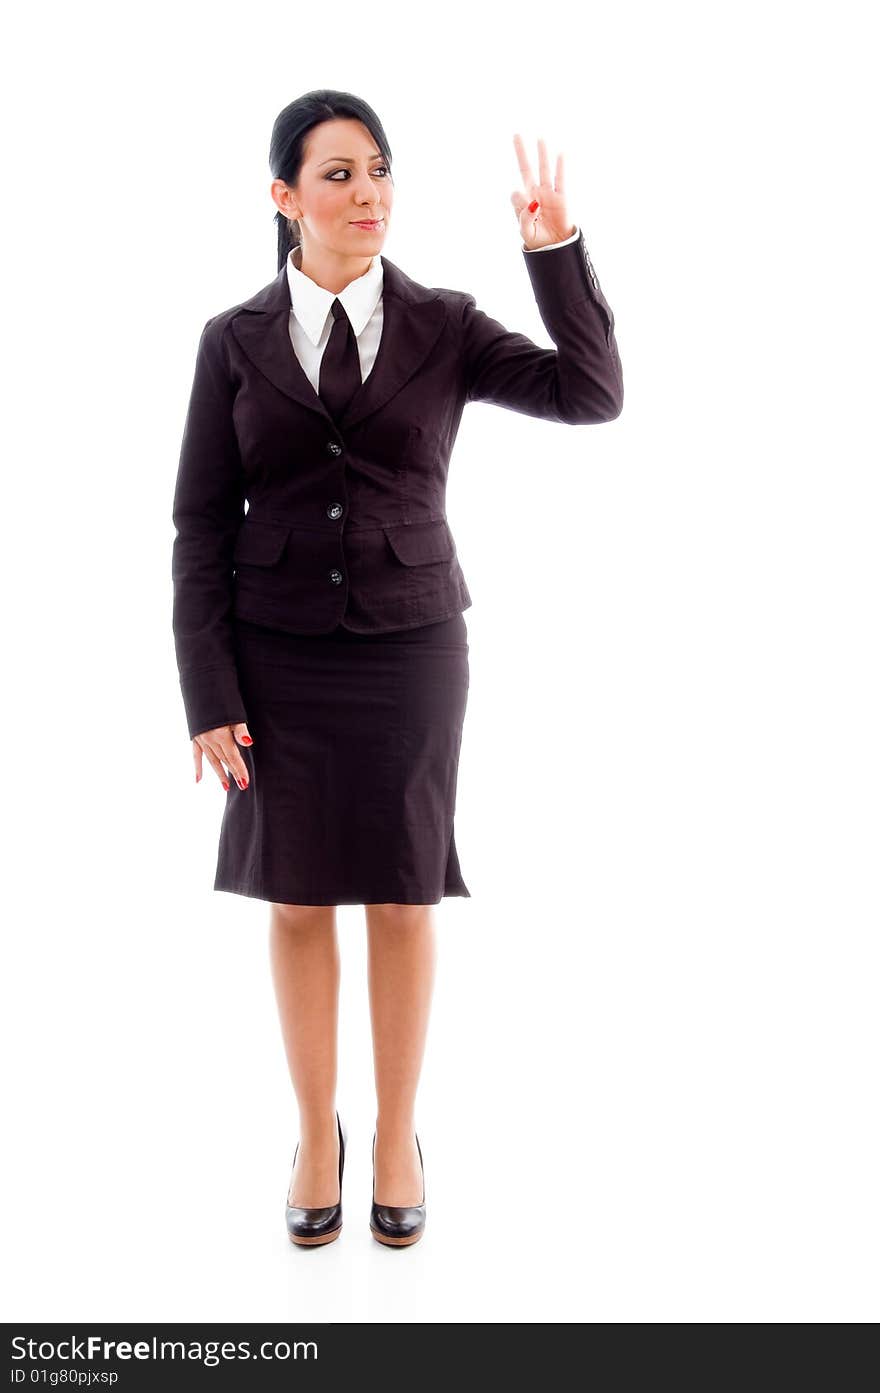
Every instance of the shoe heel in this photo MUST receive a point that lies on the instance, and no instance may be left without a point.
(309, 1227)
(397, 1225)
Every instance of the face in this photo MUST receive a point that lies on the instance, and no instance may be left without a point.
(343, 181)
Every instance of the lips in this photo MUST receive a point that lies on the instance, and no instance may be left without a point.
(368, 222)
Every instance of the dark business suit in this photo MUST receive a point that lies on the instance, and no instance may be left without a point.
(346, 521)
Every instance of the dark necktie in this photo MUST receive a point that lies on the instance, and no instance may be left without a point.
(340, 372)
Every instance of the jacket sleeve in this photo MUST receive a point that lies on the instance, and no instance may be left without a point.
(207, 512)
(580, 381)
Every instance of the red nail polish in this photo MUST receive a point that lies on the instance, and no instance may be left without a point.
(533, 205)
(246, 740)
(225, 785)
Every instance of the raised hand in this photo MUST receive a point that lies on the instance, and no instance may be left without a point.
(549, 222)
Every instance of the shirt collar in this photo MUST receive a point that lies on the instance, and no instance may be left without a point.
(311, 302)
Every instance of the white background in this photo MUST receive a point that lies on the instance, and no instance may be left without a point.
(650, 1089)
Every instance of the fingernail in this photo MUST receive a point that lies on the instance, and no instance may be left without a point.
(246, 740)
(533, 205)
(225, 785)
(242, 783)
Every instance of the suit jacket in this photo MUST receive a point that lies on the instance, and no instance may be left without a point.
(348, 517)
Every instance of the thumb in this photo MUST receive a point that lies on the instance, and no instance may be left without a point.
(527, 212)
(242, 734)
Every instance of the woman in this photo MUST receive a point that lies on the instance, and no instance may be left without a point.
(320, 634)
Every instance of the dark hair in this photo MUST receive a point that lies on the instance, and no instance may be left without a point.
(287, 146)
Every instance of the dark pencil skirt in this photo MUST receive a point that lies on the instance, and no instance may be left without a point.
(354, 766)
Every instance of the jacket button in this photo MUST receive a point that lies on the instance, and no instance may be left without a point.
(334, 448)
(334, 510)
(336, 577)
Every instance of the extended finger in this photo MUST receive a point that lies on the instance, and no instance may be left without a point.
(197, 759)
(543, 162)
(524, 166)
(213, 759)
(234, 761)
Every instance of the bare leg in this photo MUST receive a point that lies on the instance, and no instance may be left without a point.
(304, 954)
(401, 968)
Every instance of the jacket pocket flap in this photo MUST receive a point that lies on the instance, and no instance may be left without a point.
(416, 543)
(260, 543)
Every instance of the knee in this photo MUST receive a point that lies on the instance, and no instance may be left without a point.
(399, 915)
(303, 916)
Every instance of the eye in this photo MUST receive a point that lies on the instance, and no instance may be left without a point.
(379, 167)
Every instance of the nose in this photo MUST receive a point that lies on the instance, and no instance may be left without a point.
(367, 198)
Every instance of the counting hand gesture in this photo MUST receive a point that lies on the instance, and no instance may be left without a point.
(220, 748)
(540, 205)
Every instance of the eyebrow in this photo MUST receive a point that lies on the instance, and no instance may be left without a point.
(343, 159)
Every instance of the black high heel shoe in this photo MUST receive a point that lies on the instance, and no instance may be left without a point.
(321, 1223)
(397, 1224)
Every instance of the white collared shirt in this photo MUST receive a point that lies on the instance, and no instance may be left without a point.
(311, 321)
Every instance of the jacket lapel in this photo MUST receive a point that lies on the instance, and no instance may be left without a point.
(413, 317)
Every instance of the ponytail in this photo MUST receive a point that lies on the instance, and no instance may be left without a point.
(288, 236)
